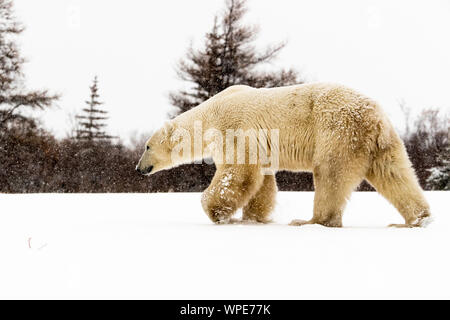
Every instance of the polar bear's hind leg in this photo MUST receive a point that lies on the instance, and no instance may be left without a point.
(333, 187)
(393, 177)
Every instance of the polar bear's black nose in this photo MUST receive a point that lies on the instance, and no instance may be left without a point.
(145, 171)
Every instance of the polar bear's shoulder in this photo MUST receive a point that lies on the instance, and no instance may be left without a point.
(233, 89)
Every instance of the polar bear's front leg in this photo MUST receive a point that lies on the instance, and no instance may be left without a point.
(260, 206)
(231, 188)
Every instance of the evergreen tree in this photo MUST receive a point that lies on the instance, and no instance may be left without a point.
(228, 58)
(439, 178)
(13, 95)
(92, 123)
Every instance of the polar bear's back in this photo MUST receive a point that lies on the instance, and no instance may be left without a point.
(308, 116)
(331, 106)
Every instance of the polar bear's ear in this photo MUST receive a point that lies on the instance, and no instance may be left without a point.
(167, 131)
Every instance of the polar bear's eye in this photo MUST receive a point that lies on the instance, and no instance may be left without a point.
(148, 148)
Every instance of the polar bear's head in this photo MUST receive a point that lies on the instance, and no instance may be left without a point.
(158, 151)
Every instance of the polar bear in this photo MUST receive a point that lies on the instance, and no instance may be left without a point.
(336, 133)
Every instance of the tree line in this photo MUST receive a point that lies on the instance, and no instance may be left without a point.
(32, 160)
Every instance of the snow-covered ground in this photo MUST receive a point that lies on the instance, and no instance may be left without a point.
(163, 246)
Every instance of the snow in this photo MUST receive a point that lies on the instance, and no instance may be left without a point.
(162, 246)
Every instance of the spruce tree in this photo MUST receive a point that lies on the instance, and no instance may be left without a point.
(439, 178)
(14, 97)
(92, 122)
(229, 57)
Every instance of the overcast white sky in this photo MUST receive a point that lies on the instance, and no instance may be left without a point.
(390, 50)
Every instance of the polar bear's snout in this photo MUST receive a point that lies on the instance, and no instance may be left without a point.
(146, 164)
(147, 170)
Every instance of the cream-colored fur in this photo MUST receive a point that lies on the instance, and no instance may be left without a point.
(338, 134)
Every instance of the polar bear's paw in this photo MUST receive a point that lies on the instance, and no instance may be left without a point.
(421, 222)
(248, 221)
(300, 222)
